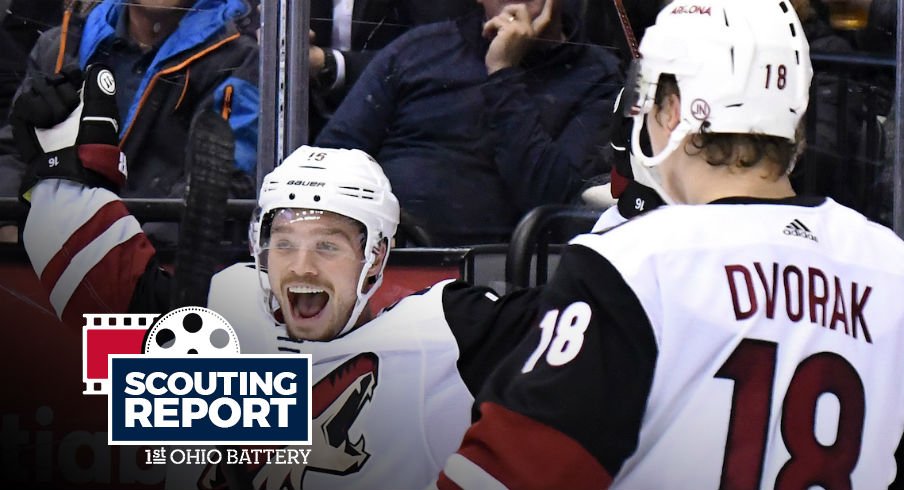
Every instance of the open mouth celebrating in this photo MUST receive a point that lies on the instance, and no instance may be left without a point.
(307, 302)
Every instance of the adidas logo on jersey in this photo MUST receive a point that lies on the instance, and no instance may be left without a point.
(797, 228)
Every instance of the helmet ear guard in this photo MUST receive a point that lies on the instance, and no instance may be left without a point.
(349, 183)
(741, 67)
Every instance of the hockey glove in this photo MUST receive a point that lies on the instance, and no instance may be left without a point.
(64, 133)
(633, 197)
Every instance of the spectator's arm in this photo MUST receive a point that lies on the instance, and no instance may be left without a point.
(353, 65)
(349, 67)
(361, 120)
(539, 167)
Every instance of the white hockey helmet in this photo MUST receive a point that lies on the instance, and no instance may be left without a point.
(349, 183)
(742, 66)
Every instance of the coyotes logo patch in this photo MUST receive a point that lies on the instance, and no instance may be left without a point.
(337, 400)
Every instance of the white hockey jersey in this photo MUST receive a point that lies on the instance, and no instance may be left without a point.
(739, 345)
(389, 404)
(609, 218)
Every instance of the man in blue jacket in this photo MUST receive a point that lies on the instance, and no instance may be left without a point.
(479, 120)
(173, 59)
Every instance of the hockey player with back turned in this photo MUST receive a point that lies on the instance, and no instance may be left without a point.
(392, 393)
(742, 337)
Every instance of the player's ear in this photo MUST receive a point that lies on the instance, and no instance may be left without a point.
(668, 113)
(672, 111)
(377, 266)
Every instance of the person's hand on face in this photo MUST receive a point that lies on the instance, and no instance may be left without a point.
(512, 31)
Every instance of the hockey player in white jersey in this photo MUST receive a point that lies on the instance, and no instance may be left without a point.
(742, 337)
(392, 394)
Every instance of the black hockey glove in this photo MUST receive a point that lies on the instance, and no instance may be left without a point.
(66, 133)
(633, 197)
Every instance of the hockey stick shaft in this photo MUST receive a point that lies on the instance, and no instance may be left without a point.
(630, 38)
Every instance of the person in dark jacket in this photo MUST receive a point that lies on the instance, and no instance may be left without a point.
(346, 35)
(173, 59)
(479, 120)
(21, 22)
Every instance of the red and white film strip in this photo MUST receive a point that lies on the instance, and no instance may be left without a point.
(106, 334)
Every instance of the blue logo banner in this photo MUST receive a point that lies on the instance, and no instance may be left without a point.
(247, 399)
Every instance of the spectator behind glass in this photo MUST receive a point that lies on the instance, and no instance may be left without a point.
(844, 157)
(173, 59)
(347, 34)
(21, 22)
(477, 121)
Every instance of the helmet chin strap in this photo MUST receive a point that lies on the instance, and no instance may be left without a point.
(363, 298)
(267, 297)
(649, 176)
(645, 167)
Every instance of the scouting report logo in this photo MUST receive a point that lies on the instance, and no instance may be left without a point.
(182, 380)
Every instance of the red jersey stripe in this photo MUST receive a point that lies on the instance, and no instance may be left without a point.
(509, 447)
(85, 234)
(108, 286)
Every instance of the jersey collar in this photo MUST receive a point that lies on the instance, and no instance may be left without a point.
(805, 201)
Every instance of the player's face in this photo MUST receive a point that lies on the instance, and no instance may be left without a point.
(494, 7)
(313, 264)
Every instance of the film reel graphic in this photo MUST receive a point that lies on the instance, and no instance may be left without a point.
(191, 330)
(106, 334)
